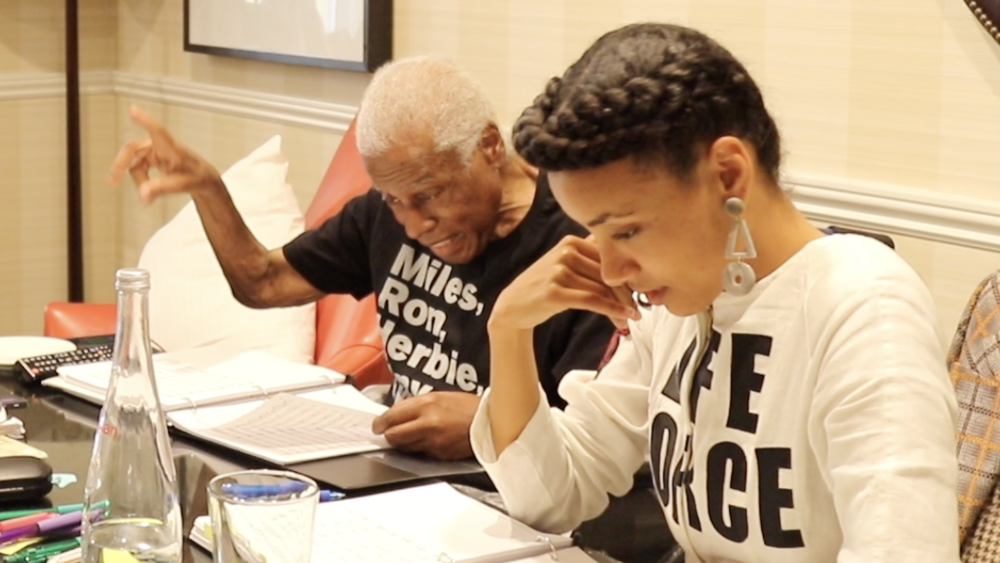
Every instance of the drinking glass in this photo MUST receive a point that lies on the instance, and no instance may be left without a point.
(262, 515)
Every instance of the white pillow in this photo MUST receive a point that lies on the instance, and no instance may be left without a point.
(190, 302)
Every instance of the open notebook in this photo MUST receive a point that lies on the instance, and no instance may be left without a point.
(426, 524)
(253, 402)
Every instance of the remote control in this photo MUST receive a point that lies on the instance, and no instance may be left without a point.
(37, 368)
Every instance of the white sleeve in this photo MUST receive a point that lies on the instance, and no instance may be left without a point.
(561, 468)
(883, 426)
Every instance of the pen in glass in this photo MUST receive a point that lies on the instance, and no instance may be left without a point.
(255, 491)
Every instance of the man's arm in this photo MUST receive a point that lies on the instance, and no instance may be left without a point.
(259, 277)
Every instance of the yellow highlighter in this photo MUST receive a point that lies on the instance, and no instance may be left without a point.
(15, 547)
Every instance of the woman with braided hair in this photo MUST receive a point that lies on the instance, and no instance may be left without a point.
(787, 388)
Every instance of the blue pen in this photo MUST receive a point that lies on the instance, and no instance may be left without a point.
(255, 491)
(283, 489)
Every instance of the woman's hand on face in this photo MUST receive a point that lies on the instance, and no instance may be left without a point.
(567, 277)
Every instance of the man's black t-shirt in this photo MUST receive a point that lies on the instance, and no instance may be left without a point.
(433, 314)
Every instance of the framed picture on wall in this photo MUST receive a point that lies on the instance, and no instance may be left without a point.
(988, 14)
(341, 34)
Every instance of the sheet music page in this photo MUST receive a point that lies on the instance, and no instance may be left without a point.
(426, 524)
(289, 428)
(201, 377)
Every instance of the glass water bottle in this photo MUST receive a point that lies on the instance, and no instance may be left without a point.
(131, 502)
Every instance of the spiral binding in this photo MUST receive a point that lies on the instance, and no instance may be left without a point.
(553, 552)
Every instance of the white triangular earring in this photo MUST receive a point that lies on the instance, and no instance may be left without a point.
(738, 277)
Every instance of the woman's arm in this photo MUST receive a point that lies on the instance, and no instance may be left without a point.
(556, 468)
(564, 464)
(883, 422)
(566, 277)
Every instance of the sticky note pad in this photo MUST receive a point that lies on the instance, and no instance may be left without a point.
(11, 549)
(117, 556)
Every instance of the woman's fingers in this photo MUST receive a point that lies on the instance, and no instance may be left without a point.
(624, 296)
(585, 260)
(599, 303)
(577, 291)
(567, 277)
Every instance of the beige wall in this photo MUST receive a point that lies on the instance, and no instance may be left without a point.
(33, 157)
(903, 92)
(150, 43)
(32, 161)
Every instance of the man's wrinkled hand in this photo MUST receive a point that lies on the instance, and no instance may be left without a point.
(436, 424)
(181, 169)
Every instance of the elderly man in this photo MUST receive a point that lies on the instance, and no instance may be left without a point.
(451, 220)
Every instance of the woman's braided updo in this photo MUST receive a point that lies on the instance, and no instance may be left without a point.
(657, 92)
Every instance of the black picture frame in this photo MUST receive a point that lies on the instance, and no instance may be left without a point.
(377, 43)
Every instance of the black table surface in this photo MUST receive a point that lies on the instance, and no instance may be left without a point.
(64, 427)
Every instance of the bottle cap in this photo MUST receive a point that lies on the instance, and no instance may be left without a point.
(131, 278)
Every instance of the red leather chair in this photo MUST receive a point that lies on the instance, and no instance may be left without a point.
(347, 334)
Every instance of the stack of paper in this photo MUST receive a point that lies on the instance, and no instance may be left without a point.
(10, 426)
(253, 402)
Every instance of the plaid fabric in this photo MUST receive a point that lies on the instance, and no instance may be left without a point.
(974, 366)
(983, 546)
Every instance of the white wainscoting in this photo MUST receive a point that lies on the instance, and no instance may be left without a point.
(951, 219)
(234, 101)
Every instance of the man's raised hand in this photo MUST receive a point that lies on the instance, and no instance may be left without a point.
(180, 170)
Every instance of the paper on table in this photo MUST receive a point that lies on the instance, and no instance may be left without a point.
(439, 519)
(290, 428)
(10, 425)
(201, 377)
(425, 524)
(10, 447)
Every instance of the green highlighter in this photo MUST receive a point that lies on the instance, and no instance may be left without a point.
(43, 551)
(64, 509)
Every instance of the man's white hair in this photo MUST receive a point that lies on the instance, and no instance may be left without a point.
(429, 95)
